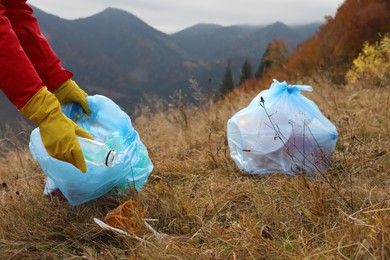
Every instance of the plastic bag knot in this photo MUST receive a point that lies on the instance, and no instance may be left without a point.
(291, 89)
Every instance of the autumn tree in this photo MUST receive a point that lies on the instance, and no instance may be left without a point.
(275, 55)
(246, 72)
(264, 63)
(227, 84)
(341, 38)
(372, 64)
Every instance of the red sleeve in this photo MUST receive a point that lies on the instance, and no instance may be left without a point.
(35, 44)
(18, 78)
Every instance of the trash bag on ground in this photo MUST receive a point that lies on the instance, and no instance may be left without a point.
(110, 125)
(281, 131)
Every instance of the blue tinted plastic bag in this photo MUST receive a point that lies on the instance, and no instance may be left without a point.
(107, 124)
(281, 131)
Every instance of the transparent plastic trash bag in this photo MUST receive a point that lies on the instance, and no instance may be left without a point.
(110, 125)
(281, 131)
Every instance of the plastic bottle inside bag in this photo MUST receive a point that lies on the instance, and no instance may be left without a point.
(96, 153)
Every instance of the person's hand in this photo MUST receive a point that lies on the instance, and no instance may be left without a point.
(57, 131)
(69, 91)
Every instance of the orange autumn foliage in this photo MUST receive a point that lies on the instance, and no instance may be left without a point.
(341, 38)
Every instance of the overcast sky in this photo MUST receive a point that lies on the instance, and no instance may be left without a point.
(174, 15)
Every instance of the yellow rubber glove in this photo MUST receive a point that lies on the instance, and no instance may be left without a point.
(69, 91)
(57, 131)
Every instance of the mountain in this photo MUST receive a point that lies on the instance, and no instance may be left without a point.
(116, 54)
(114, 51)
(214, 43)
(307, 30)
(210, 42)
(198, 30)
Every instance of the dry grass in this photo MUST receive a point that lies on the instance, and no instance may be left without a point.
(209, 208)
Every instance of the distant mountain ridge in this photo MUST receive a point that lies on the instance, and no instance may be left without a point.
(114, 53)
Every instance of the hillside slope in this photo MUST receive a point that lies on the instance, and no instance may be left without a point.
(341, 38)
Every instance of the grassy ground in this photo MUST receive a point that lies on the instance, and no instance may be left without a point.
(209, 208)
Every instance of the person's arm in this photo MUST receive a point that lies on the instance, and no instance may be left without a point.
(41, 54)
(18, 78)
(24, 88)
(35, 44)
